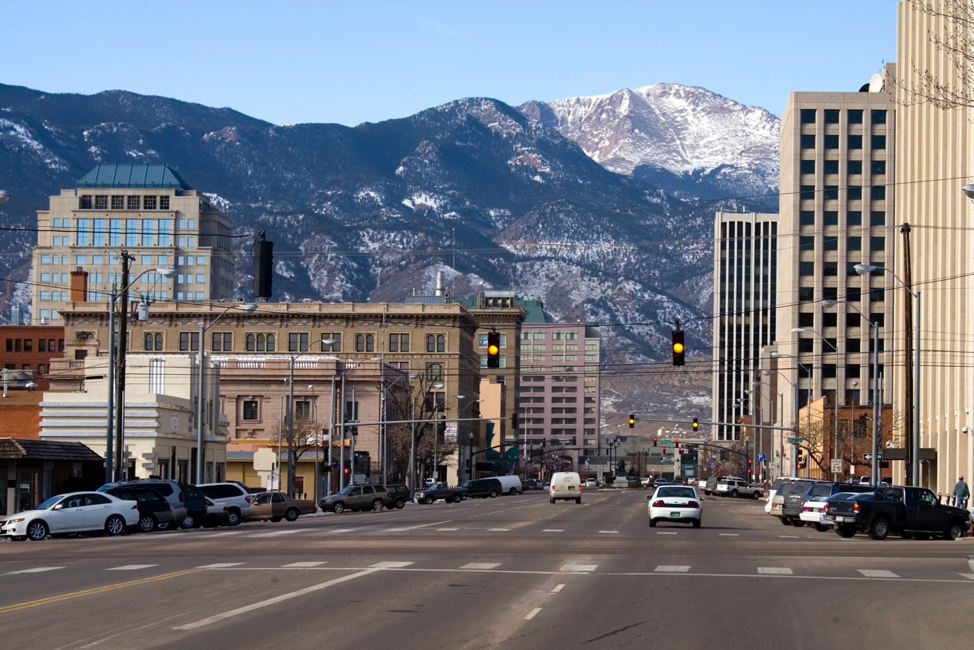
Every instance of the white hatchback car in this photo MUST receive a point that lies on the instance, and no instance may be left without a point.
(678, 503)
(75, 512)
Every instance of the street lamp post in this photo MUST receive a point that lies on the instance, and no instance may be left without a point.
(835, 423)
(876, 406)
(808, 406)
(116, 362)
(200, 429)
(864, 269)
(781, 450)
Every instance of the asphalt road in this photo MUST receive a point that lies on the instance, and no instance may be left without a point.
(512, 572)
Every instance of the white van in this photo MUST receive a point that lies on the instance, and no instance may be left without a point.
(510, 484)
(565, 485)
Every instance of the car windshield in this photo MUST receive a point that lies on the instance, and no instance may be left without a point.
(867, 496)
(47, 503)
(676, 492)
(347, 489)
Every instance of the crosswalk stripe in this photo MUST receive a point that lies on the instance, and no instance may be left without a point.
(302, 565)
(729, 534)
(39, 569)
(447, 529)
(969, 576)
(532, 613)
(390, 565)
(132, 567)
(481, 565)
(608, 532)
(553, 530)
(663, 568)
(344, 530)
(579, 568)
(877, 573)
(276, 533)
(499, 530)
(660, 532)
(774, 571)
(220, 565)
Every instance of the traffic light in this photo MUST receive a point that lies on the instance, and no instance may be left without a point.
(678, 347)
(346, 470)
(514, 421)
(800, 459)
(654, 441)
(632, 420)
(493, 350)
(696, 425)
(263, 266)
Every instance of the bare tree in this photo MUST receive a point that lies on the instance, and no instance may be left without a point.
(419, 402)
(305, 439)
(955, 38)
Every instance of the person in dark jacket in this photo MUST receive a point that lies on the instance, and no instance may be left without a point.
(961, 493)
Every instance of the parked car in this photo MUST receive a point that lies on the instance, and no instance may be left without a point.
(734, 487)
(365, 497)
(186, 501)
(218, 514)
(250, 489)
(75, 512)
(511, 485)
(277, 505)
(800, 491)
(677, 503)
(398, 496)
(154, 510)
(592, 482)
(773, 490)
(910, 511)
(814, 510)
(565, 486)
(233, 495)
(533, 484)
(443, 491)
(799, 488)
(480, 488)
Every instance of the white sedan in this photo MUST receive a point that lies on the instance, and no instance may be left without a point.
(76, 512)
(679, 503)
(813, 512)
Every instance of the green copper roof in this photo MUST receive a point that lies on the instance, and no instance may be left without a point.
(142, 176)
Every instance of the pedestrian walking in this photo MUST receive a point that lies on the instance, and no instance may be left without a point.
(961, 493)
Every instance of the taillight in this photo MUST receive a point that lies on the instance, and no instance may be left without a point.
(659, 504)
(182, 499)
(135, 507)
(693, 504)
(249, 498)
(855, 507)
(806, 508)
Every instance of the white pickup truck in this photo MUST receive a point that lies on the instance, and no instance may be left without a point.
(738, 488)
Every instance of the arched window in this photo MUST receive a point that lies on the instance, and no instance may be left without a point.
(251, 343)
(149, 342)
(430, 343)
(434, 372)
(261, 342)
(153, 342)
(270, 342)
(158, 342)
(369, 343)
(360, 342)
(440, 343)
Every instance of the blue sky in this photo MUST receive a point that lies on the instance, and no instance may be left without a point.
(350, 62)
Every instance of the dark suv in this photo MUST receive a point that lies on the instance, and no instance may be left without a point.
(800, 491)
(154, 510)
(365, 497)
(187, 502)
(480, 488)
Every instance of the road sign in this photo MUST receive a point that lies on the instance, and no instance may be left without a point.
(761, 458)
(794, 441)
(870, 456)
(836, 466)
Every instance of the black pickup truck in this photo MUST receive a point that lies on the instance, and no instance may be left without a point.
(909, 511)
(441, 491)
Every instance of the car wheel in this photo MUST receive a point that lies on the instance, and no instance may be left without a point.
(879, 528)
(757, 495)
(652, 523)
(234, 519)
(115, 525)
(493, 493)
(147, 523)
(457, 498)
(377, 505)
(797, 523)
(292, 514)
(551, 499)
(578, 500)
(784, 521)
(820, 527)
(734, 494)
(696, 523)
(512, 492)
(427, 500)
(338, 508)
(400, 503)
(37, 530)
(954, 530)
(845, 531)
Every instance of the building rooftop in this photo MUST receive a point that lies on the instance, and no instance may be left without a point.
(17, 448)
(140, 176)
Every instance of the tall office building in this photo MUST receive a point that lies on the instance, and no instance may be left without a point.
(935, 149)
(836, 211)
(146, 210)
(745, 290)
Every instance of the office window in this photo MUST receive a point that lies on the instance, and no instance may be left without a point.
(84, 202)
(878, 141)
(854, 167)
(829, 268)
(153, 342)
(806, 319)
(101, 201)
(808, 142)
(42, 345)
(165, 232)
(877, 192)
(808, 116)
(831, 166)
(148, 203)
(831, 116)
(806, 294)
(336, 342)
(118, 202)
(364, 343)
(853, 345)
(297, 341)
(434, 372)
(855, 192)
(855, 141)
(145, 259)
(222, 342)
(148, 229)
(877, 218)
(28, 345)
(854, 116)
(853, 218)
(806, 191)
(877, 244)
(399, 343)
(163, 202)
(806, 345)
(806, 242)
(435, 343)
(854, 244)
(830, 243)
(806, 218)
(83, 232)
(250, 409)
(189, 341)
(877, 167)
(877, 295)
(807, 167)
(132, 202)
(831, 142)
(831, 192)
(302, 409)
(830, 218)
(806, 268)
(132, 232)
(879, 116)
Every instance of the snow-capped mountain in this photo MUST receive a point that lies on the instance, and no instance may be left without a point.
(681, 138)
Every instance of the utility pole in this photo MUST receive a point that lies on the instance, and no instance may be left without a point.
(120, 372)
(908, 369)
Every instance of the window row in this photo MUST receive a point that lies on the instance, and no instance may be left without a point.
(27, 345)
(853, 142)
(853, 192)
(127, 232)
(831, 218)
(121, 202)
(853, 167)
(831, 116)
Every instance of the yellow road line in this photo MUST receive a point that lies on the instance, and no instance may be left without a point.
(88, 592)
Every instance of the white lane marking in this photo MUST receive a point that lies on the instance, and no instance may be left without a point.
(226, 534)
(302, 565)
(665, 568)
(40, 569)
(579, 568)
(877, 573)
(447, 529)
(532, 613)
(969, 576)
(276, 533)
(132, 567)
(481, 565)
(342, 530)
(789, 536)
(774, 571)
(557, 589)
(390, 565)
(608, 532)
(435, 523)
(729, 534)
(272, 601)
(553, 530)
(220, 565)
(662, 533)
(499, 530)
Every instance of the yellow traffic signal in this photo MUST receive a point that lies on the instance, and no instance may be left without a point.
(678, 348)
(493, 350)
(632, 420)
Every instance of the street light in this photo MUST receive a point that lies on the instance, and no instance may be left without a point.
(876, 406)
(808, 406)
(781, 440)
(865, 269)
(967, 189)
(116, 365)
(835, 399)
(200, 437)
